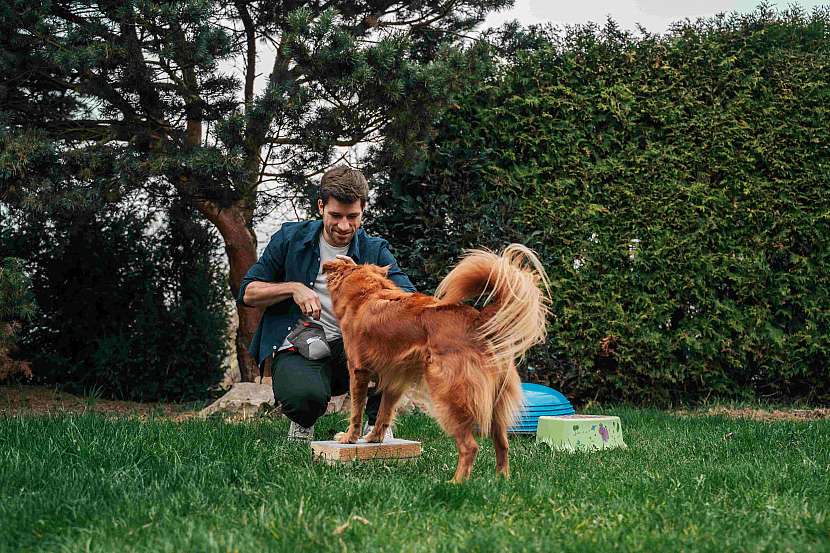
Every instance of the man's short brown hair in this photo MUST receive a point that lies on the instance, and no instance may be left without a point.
(344, 184)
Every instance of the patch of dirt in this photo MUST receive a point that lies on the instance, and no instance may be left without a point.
(763, 414)
(41, 400)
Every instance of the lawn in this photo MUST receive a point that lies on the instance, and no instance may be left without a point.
(693, 483)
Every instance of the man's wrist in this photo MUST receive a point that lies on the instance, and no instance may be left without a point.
(295, 287)
(264, 294)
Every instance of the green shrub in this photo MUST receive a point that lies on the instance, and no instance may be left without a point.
(16, 305)
(676, 188)
(131, 305)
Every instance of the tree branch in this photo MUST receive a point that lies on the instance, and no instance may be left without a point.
(320, 171)
(148, 97)
(104, 130)
(423, 21)
(353, 141)
(250, 52)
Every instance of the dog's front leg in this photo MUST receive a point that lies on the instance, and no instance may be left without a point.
(358, 388)
(386, 413)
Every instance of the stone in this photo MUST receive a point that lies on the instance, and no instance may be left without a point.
(244, 400)
(339, 404)
(415, 399)
(251, 399)
(412, 400)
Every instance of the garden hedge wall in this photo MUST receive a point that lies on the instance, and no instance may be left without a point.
(676, 188)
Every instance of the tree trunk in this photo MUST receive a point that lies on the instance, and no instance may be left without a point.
(233, 223)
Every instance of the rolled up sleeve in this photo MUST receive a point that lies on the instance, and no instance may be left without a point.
(270, 267)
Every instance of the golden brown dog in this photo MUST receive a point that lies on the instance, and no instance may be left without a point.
(465, 357)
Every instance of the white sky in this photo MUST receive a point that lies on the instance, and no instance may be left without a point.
(654, 15)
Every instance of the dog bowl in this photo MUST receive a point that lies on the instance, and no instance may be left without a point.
(580, 432)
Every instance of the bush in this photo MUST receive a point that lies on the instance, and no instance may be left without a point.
(130, 305)
(16, 305)
(676, 189)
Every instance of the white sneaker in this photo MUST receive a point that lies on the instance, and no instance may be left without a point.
(386, 435)
(300, 433)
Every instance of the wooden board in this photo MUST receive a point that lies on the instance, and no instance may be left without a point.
(335, 452)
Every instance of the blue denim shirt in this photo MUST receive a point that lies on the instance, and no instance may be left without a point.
(293, 255)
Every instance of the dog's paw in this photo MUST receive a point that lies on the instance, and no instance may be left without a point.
(347, 438)
(373, 437)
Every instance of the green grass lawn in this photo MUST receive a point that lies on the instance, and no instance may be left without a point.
(78, 483)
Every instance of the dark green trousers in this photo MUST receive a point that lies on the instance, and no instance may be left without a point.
(304, 387)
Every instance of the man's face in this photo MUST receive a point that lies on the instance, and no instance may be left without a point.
(340, 220)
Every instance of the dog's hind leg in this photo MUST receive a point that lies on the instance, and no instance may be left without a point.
(449, 393)
(467, 451)
(502, 446)
(386, 413)
(508, 402)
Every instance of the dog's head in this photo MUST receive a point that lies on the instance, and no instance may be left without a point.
(336, 270)
(344, 277)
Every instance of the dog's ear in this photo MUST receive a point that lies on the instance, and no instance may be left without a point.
(331, 265)
(339, 266)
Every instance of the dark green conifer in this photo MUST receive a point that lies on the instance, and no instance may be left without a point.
(102, 97)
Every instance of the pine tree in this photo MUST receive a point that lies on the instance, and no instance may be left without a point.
(107, 96)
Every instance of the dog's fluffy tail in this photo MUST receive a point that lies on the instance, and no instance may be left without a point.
(516, 295)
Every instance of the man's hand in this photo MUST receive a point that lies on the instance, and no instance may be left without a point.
(308, 301)
(346, 258)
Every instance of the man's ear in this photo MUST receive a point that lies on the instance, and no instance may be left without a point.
(320, 205)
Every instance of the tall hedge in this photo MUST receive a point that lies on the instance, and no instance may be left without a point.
(676, 187)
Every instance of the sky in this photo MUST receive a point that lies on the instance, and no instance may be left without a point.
(655, 15)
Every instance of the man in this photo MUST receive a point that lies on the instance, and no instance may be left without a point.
(289, 283)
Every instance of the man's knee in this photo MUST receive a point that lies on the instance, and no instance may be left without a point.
(302, 395)
(303, 407)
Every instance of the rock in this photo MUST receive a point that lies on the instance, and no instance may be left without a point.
(413, 400)
(339, 404)
(243, 400)
(250, 399)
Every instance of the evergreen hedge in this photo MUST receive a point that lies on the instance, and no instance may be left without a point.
(676, 188)
(131, 300)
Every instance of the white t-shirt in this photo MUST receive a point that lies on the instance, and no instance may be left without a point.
(327, 318)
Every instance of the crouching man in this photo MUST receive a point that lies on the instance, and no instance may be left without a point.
(299, 328)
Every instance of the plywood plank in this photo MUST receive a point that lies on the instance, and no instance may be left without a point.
(335, 452)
